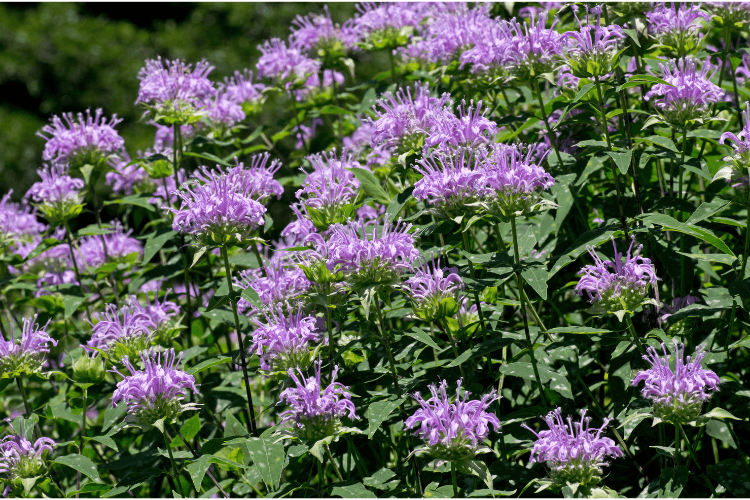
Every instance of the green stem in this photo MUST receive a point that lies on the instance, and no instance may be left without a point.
(321, 477)
(536, 316)
(68, 233)
(633, 333)
(393, 65)
(454, 479)
(251, 425)
(387, 344)
(676, 445)
(195, 455)
(476, 294)
(167, 442)
(333, 462)
(256, 252)
(83, 421)
(453, 343)
(747, 236)
(519, 280)
(682, 237)
(550, 134)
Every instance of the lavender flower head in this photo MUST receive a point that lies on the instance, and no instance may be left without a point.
(120, 247)
(434, 291)
(677, 304)
(516, 179)
(223, 113)
(85, 140)
(316, 411)
(371, 255)
(470, 129)
(20, 459)
(220, 211)
(593, 50)
(618, 285)
(18, 222)
(740, 143)
(450, 184)
(296, 231)
(27, 355)
(574, 452)
(690, 94)
(256, 179)
(121, 332)
(533, 49)
(280, 286)
(318, 35)
(330, 191)
(58, 196)
(388, 25)
(285, 65)
(403, 121)
(677, 396)
(732, 14)
(282, 340)
(241, 90)
(488, 56)
(677, 27)
(453, 431)
(175, 90)
(157, 391)
(161, 316)
(127, 178)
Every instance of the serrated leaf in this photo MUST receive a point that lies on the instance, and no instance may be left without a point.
(379, 411)
(351, 489)
(706, 210)
(114, 414)
(579, 330)
(268, 458)
(252, 296)
(670, 223)
(80, 463)
(536, 276)
(622, 159)
(422, 336)
(209, 363)
(189, 430)
(525, 370)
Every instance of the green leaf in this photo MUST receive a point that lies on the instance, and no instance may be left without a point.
(478, 468)
(622, 159)
(269, 459)
(536, 276)
(113, 415)
(197, 470)
(330, 109)
(370, 185)
(711, 257)
(90, 488)
(733, 475)
(720, 431)
(672, 481)
(670, 223)
(351, 489)
(188, 430)
(480, 350)
(155, 242)
(422, 336)
(95, 230)
(252, 296)
(379, 411)
(208, 156)
(707, 209)
(72, 299)
(232, 426)
(633, 34)
(209, 363)
(106, 441)
(398, 202)
(82, 464)
(579, 330)
(659, 141)
(525, 370)
(138, 200)
(133, 480)
(589, 238)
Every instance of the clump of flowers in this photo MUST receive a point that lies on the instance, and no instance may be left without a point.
(175, 91)
(617, 285)
(330, 191)
(318, 35)
(594, 49)
(316, 411)
(371, 255)
(450, 184)
(58, 196)
(387, 25)
(677, 396)
(434, 291)
(487, 57)
(128, 177)
(515, 177)
(689, 95)
(732, 14)
(156, 392)
(20, 459)
(282, 340)
(677, 304)
(160, 316)
(453, 431)
(117, 246)
(241, 90)
(28, 354)
(83, 140)
(18, 222)
(222, 210)
(469, 130)
(256, 179)
(574, 453)
(532, 49)
(740, 143)
(279, 285)
(223, 114)
(676, 26)
(403, 121)
(121, 332)
(286, 65)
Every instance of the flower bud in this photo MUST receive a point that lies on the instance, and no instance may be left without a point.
(89, 370)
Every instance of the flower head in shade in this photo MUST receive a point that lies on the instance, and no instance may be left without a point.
(677, 26)
(533, 49)
(127, 178)
(371, 254)
(450, 183)
(404, 120)
(241, 90)
(516, 179)
(156, 392)
(296, 231)
(574, 452)
(314, 91)
(117, 246)
(161, 316)
(453, 431)
(282, 340)
(18, 221)
(689, 95)
(25, 355)
(175, 90)
(594, 49)
(488, 55)
(284, 64)
(677, 395)
(330, 191)
(163, 196)
(434, 291)
(219, 211)
(81, 140)
(316, 411)
(617, 285)
(318, 35)
(58, 195)
(470, 129)
(388, 25)
(732, 14)
(121, 332)
(223, 113)
(740, 143)
(20, 459)
(280, 285)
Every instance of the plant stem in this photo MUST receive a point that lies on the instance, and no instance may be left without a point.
(676, 445)
(550, 134)
(633, 333)
(519, 280)
(256, 252)
(454, 480)
(176, 160)
(251, 425)
(393, 65)
(68, 233)
(453, 344)
(208, 472)
(83, 421)
(747, 236)
(386, 342)
(682, 237)
(167, 442)
(333, 462)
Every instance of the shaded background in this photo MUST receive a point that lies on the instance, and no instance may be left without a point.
(59, 57)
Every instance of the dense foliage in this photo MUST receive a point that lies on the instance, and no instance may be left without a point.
(516, 265)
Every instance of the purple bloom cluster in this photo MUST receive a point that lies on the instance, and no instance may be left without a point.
(282, 340)
(677, 304)
(434, 291)
(157, 391)
(241, 90)
(18, 222)
(677, 396)
(370, 256)
(93, 251)
(89, 139)
(592, 49)
(317, 33)
(617, 285)
(285, 64)
(127, 178)
(740, 142)
(27, 355)
(470, 129)
(316, 411)
(450, 183)
(388, 25)
(279, 286)
(532, 50)
(121, 332)
(256, 179)
(20, 459)
(160, 316)
(574, 453)
(453, 430)
(296, 232)
(689, 95)
(223, 113)
(57, 195)
(677, 26)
